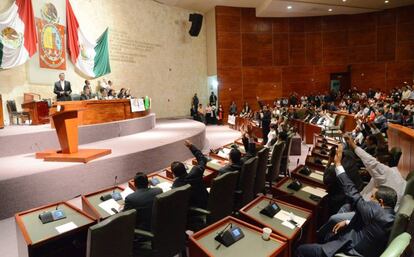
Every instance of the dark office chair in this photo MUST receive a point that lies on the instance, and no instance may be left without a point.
(220, 202)
(13, 113)
(273, 169)
(285, 156)
(395, 153)
(244, 193)
(260, 180)
(113, 236)
(169, 220)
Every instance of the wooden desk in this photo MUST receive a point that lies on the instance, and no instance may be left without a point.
(202, 243)
(301, 198)
(311, 161)
(310, 130)
(208, 174)
(91, 201)
(100, 111)
(39, 112)
(349, 123)
(252, 213)
(306, 130)
(1, 113)
(39, 240)
(243, 122)
(315, 177)
(403, 137)
(215, 164)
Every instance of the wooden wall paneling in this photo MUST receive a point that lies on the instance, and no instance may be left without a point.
(228, 40)
(280, 25)
(276, 56)
(335, 56)
(366, 76)
(362, 54)
(281, 49)
(257, 49)
(297, 48)
(313, 24)
(228, 58)
(314, 48)
(386, 42)
(250, 23)
(297, 24)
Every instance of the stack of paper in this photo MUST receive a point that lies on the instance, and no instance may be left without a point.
(316, 176)
(286, 216)
(66, 227)
(165, 186)
(108, 205)
(315, 191)
(126, 192)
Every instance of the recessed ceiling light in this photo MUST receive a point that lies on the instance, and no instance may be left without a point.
(289, 7)
(329, 10)
(386, 1)
(343, 0)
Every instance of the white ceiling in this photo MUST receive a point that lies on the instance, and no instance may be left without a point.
(279, 8)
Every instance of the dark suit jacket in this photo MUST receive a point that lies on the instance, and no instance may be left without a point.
(142, 200)
(199, 193)
(367, 233)
(67, 91)
(336, 194)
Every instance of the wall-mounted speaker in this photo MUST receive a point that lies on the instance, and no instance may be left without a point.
(196, 22)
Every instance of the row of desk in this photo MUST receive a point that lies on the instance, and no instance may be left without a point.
(37, 239)
(91, 111)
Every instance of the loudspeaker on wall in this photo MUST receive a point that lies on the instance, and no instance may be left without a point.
(196, 22)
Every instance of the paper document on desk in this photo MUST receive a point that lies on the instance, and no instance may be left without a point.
(215, 164)
(315, 191)
(165, 186)
(66, 227)
(318, 172)
(286, 216)
(316, 176)
(223, 154)
(126, 192)
(108, 205)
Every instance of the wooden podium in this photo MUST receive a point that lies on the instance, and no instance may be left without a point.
(66, 124)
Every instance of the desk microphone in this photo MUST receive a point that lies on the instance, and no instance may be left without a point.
(114, 195)
(116, 177)
(220, 234)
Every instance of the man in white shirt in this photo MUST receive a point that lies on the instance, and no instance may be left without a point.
(381, 174)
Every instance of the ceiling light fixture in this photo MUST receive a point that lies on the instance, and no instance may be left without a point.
(329, 10)
(386, 1)
(343, 0)
(289, 7)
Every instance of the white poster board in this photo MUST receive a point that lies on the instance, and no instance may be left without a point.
(137, 105)
(231, 120)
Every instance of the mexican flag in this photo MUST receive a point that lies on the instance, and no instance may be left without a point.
(17, 34)
(90, 58)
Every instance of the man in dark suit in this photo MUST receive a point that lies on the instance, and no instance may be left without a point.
(62, 89)
(199, 193)
(141, 200)
(235, 163)
(368, 231)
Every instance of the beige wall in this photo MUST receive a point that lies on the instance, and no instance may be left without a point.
(170, 73)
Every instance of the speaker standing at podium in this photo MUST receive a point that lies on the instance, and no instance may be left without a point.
(62, 89)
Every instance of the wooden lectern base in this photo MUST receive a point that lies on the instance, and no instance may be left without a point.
(83, 155)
